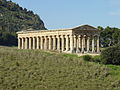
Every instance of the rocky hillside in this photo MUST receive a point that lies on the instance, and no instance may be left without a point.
(15, 18)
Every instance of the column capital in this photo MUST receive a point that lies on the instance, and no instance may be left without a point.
(45, 36)
(79, 36)
(62, 36)
(88, 37)
(71, 35)
(49, 37)
(19, 37)
(26, 37)
(22, 37)
(37, 36)
(74, 36)
(53, 36)
(58, 36)
(66, 36)
(84, 36)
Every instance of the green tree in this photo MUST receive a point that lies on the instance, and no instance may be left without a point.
(111, 55)
(109, 36)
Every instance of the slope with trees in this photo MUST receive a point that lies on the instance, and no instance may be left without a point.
(14, 18)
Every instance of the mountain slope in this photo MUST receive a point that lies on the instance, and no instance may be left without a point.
(15, 18)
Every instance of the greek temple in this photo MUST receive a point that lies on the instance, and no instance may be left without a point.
(81, 39)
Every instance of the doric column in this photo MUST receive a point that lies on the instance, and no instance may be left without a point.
(33, 42)
(58, 42)
(83, 44)
(45, 43)
(71, 43)
(98, 45)
(30, 39)
(67, 42)
(88, 44)
(63, 44)
(54, 43)
(50, 42)
(75, 44)
(93, 44)
(41, 46)
(19, 43)
(22, 43)
(79, 40)
(26, 43)
(38, 42)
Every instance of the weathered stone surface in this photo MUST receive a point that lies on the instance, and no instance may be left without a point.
(82, 39)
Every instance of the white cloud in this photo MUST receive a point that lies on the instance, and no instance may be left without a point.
(115, 2)
(115, 13)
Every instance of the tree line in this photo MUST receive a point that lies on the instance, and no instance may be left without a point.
(109, 36)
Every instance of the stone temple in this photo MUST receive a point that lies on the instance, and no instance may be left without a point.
(81, 39)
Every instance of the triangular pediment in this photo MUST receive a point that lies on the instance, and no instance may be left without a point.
(85, 27)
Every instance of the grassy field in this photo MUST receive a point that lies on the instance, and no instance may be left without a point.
(40, 70)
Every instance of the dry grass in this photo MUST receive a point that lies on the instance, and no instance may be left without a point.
(39, 70)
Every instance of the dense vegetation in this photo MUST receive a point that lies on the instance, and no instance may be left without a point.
(8, 38)
(14, 18)
(39, 70)
(111, 55)
(109, 36)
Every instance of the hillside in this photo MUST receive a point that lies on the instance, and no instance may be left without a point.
(39, 70)
(15, 18)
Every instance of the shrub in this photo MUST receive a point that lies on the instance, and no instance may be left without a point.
(87, 58)
(111, 55)
(97, 59)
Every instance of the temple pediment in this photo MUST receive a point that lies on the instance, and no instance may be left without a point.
(84, 27)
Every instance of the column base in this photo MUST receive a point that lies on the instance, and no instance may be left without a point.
(82, 50)
(93, 51)
(88, 51)
(77, 51)
(72, 51)
(98, 52)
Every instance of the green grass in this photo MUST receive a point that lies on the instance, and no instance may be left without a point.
(40, 70)
(115, 70)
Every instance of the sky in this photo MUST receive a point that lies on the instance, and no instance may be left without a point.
(58, 14)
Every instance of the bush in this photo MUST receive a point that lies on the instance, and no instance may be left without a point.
(8, 38)
(97, 59)
(111, 55)
(87, 58)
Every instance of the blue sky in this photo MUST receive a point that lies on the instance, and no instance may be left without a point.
(70, 13)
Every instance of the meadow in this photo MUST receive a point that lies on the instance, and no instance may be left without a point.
(40, 70)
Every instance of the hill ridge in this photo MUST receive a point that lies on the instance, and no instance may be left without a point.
(15, 18)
